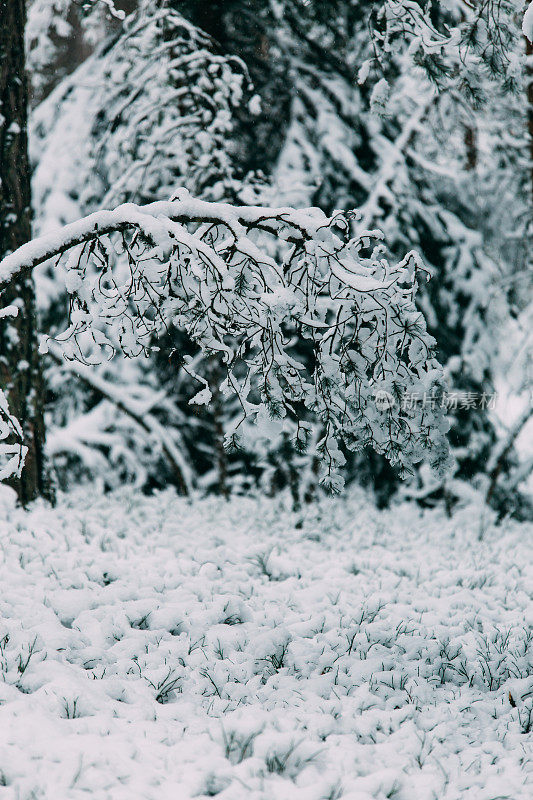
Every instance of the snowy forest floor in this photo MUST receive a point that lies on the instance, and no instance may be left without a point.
(157, 648)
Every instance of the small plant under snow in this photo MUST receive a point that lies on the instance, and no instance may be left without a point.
(153, 648)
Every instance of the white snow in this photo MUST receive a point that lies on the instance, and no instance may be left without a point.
(527, 23)
(364, 71)
(380, 96)
(153, 219)
(158, 648)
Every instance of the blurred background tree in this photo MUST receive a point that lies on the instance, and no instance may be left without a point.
(414, 116)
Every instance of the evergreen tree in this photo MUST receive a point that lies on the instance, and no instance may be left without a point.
(366, 115)
(154, 108)
(367, 105)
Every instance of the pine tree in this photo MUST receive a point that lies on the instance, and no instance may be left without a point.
(154, 108)
(367, 113)
(348, 117)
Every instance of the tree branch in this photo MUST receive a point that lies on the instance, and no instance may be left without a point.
(497, 460)
(147, 422)
(150, 220)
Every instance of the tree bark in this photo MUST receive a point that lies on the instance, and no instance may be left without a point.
(470, 140)
(20, 372)
(529, 85)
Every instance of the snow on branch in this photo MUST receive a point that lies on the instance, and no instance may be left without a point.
(527, 23)
(311, 323)
(12, 450)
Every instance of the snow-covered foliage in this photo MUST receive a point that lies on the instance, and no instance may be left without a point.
(152, 109)
(12, 452)
(165, 118)
(149, 111)
(47, 23)
(374, 125)
(153, 648)
(461, 46)
(381, 119)
(52, 24)
(198, 266)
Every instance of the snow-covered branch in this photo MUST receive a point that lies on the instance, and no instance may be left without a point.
(12, 449)
(394, 152)
(152, 221)
(206, 268)
(502, 450)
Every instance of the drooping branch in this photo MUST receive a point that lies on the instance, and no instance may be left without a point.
(151, 220)
(249, 283)
(501, 452)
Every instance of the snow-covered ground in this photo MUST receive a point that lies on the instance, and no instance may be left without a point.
(154, 648)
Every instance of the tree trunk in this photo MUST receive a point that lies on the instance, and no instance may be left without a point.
(215, 376)
(529, 84)
(470, 139)
(20, 373)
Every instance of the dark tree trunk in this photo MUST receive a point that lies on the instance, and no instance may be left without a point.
(215, 377)
(470, 139)
(529, 83)
(20, 374)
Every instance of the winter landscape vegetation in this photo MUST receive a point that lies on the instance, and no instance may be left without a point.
(266, 409)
